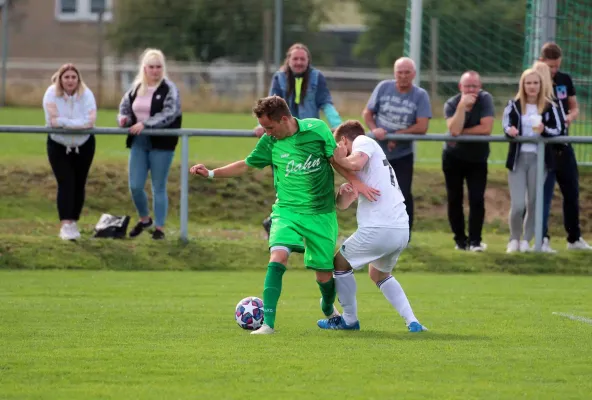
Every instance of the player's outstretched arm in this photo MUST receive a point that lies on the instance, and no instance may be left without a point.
(354, 162)
(228, 171)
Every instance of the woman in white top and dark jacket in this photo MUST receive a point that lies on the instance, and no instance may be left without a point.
(68, 103)
(152, 102)
(532, 112)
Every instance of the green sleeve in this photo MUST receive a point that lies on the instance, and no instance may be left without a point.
(330, 144)
(260, 157)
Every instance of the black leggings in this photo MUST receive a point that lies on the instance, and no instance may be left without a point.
(71, 171)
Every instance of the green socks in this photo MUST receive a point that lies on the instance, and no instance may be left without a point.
(328, 294)
(271, 291)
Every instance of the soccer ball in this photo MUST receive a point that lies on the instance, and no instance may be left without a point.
(249, 313)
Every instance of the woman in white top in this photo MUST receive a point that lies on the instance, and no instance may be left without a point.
(532, 112)
(68, 103)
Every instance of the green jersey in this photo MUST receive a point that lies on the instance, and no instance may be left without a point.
(303, 177)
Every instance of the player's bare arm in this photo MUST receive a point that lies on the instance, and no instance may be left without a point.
(354, 162)
(346, 196)
(228, 171)
(370, 193)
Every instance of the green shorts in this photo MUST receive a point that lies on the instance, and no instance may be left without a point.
(315, 235)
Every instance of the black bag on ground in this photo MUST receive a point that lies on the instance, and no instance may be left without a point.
(111, 226)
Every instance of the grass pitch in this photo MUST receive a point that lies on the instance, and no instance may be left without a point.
(172, 335)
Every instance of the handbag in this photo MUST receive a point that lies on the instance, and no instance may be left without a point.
(112, 226)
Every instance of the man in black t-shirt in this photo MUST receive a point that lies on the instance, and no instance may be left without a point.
(470, 112)
(566, 167)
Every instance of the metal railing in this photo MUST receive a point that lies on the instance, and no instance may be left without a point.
(186, 133)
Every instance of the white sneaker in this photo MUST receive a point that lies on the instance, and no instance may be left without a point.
(69, 232)
(335, 312)
(546, 246)
(513, 246)
(478, 248)
(524, 246)
(74, 230)
(264, 330)
(579, 244)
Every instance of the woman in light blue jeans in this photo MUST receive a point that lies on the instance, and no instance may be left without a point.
(152, 102)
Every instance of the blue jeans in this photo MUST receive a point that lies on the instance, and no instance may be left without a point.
(142, 159)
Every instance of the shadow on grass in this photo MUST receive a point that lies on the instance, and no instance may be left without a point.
(421, 336)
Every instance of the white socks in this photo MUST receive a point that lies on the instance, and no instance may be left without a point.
(345, 283)
(394, 293)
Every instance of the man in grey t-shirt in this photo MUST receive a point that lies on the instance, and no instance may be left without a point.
(398, 106)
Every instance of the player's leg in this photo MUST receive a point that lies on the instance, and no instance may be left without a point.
(282, 240)
(380, 271)
(357, 251)
(320, 235)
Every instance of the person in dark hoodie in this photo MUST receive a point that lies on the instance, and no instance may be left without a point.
(532, 112)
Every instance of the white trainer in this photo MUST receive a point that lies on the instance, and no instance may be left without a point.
(335, 312)
(524, 246)
(546, 246)
(478, 248)
(579, 244)
(69, 232)
(513, 246)
(74, 230)
(264, 330)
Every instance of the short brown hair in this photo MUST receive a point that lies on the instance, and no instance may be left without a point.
(273, 107)
(550, 51)
(350, 129)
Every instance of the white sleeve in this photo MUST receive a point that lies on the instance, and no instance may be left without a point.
(364, 145)
(49, 105)
(89, 113)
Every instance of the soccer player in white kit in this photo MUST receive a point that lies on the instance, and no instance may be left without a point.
(383, 229)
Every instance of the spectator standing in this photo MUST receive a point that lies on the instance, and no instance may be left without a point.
(471, 112)
(68, 103)
(398, 106)
(530, 113)
(566, 168)
(153, 102)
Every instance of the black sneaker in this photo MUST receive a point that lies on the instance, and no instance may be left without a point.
(157, 234)
(140, 227)
(267, 225)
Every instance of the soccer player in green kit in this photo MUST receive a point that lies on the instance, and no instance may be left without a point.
(304, 217)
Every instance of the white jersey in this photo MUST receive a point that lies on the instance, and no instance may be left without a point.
(389, 209)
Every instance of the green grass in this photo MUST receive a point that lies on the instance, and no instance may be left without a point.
(104, 319)
(166, 335)
(28, 146)
(225, 231)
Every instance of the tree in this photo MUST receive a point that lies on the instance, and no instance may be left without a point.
(205, 30)
(472, 25)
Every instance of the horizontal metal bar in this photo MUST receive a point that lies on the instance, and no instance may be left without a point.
(437, 137)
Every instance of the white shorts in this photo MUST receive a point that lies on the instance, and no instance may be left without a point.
(379, 246)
